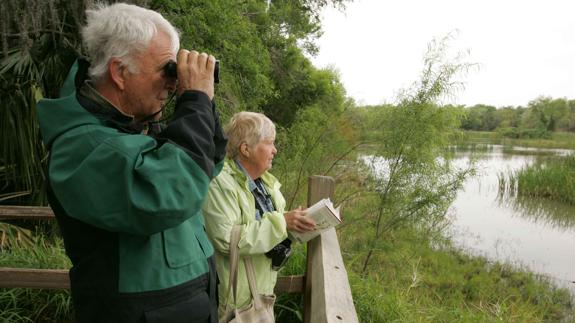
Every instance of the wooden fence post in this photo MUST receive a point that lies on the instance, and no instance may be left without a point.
(323, 301)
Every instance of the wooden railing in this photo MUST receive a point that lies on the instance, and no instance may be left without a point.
(327, 294)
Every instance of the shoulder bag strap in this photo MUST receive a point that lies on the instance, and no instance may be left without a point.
(250, 272)
(234, 257)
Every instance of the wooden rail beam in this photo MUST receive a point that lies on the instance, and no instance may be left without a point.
(289, 284)
(58, 279)
(34, 278)
(10, 212)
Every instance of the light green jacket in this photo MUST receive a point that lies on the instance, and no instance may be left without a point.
(230, 202)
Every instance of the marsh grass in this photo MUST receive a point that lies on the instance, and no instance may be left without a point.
(549, 178)
(423, 278)
(564, 140)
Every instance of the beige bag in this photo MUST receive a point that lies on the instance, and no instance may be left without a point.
(261, 309)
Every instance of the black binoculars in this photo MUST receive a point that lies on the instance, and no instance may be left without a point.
(280, 254)
(171, 70)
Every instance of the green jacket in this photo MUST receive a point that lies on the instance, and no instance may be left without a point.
(230, 202)
(128, 204)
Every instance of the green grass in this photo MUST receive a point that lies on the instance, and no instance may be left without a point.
(35, 305)
(289, 307)
(564, 140)
(416, 276)
(551, 178)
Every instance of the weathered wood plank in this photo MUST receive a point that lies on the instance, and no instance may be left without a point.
(34, 278)
(9, 212)
(327, 292)
(289, 284)
(331, 291)
(318, 187)
(58, 279)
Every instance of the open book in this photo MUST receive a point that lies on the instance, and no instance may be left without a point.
(325, 217)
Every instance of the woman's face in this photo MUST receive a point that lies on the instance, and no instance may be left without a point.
(261, 156)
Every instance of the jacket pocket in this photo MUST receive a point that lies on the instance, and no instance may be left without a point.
(181, 246)
(195, 309)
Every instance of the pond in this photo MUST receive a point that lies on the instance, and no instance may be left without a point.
(530, 233)
(527, 232)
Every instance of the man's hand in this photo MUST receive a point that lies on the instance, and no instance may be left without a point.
(297, 221)
(196, 72)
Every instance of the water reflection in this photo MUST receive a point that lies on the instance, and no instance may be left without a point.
(529, 232)
(544, 212)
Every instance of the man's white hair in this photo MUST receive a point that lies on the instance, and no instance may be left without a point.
(121, 30)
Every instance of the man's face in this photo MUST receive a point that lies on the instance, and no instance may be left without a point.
(148, 89)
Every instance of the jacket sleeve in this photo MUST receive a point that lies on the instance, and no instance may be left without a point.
(127, 183)
(222, 211)
(195, 127)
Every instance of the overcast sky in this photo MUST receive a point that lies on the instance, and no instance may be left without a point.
(525, 48)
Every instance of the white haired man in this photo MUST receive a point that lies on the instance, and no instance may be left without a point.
(128, 196)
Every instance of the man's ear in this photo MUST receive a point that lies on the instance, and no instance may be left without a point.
(117, 72)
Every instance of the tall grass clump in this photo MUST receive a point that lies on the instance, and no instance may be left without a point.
(553, 178)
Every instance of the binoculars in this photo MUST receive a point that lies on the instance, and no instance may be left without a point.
(280, 254)
(171, 70)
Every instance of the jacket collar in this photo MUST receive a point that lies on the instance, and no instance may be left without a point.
(103, 109)
(268, 179)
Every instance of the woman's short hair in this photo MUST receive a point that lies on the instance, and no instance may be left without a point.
(248, 127)
(121, 30)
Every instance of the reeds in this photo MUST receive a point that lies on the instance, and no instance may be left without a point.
(552, 178)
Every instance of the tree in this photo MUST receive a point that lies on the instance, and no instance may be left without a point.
(414, 184)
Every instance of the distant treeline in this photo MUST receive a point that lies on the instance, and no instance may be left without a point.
(541, 117)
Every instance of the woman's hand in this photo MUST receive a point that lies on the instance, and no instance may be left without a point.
(297, 221)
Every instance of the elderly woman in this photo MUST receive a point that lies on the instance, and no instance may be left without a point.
(246, 193)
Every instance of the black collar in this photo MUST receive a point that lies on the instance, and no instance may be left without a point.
(103, 109)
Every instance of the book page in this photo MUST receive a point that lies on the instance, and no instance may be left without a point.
(325, 217)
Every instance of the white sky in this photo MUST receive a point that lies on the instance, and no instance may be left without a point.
(525, 48)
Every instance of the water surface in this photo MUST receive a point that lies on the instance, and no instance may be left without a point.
(527, 232)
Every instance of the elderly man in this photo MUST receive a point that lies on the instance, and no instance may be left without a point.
(128, 195)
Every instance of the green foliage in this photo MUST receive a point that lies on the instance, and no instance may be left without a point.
(226, 30)
(315, 144)
(539, 119)
(481, 117)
